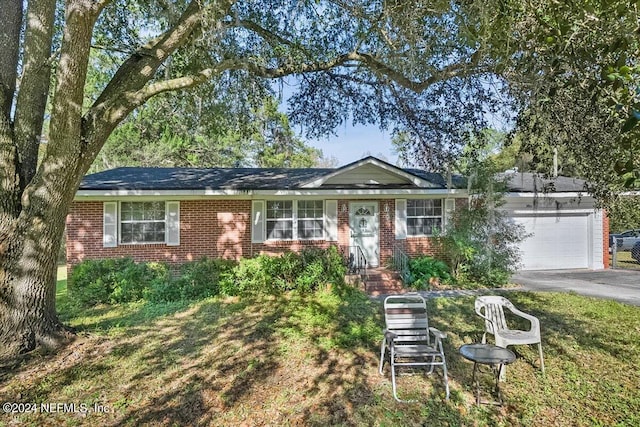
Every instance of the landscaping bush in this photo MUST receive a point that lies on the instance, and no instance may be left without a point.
(248, 277)
(122, 280)
(481, 243)
(423, 269)
(112, 281)
(305, 271)
(200, 279)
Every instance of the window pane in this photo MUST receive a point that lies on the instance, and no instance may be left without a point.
(280, 229)
(310, 209)
(142, 222)
(279, 209)
(310, 229)
(423, 226)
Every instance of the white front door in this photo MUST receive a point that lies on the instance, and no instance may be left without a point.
(363, 221)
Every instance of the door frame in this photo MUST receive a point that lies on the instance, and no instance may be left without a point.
(353, 205)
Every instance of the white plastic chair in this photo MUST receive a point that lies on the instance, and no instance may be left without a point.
(490, 308)
(407, 337)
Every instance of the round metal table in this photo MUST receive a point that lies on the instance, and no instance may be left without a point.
(491, 355)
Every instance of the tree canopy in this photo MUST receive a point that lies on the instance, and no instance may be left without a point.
(412, 68)
(571, 70)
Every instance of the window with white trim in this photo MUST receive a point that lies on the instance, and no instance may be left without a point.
(142, 222)
(424, 216)
(294, 219)
(279, 219)
(310, 219)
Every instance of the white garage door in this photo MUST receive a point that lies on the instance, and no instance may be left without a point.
(556, 241)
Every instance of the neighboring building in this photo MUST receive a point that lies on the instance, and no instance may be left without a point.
(182, 214)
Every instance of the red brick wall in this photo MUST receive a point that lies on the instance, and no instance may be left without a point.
(219, 229)
(210, 228)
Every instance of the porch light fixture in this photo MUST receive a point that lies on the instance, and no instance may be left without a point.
(344, 207)
(386, 210)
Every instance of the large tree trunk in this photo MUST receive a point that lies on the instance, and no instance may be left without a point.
(34, 201)
(33, 224)
(27, 314)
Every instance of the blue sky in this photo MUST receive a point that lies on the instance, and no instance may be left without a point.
(352, 143)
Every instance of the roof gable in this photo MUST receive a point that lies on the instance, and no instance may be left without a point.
(369, 172)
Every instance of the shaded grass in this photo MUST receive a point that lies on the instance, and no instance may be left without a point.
(312, 360)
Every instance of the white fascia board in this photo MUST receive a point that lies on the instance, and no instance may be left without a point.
(112, 194)
(551, 211)
(250, 194)
(416, 180)
(549, 195)
(365, 192)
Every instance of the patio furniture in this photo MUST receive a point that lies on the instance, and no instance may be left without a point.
(491, 309)
(491, 355)
(409, 339)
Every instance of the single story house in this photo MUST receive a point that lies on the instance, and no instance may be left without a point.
(182, 214)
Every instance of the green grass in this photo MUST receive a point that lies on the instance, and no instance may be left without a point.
(312, 360)
(625, 261)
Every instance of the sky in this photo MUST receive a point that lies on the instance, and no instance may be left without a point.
(352, 143)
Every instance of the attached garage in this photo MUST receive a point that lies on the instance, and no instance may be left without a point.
(565, 229)
(555, 241)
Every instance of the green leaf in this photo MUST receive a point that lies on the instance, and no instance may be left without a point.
(630, 182)
(629, 124)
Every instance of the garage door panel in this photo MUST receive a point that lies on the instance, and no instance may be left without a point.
(555, 242)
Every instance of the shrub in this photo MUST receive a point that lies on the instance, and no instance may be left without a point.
(249, 277)
(305, 271)
(200, 279)
(422, 269)
(122, 280)
(109, 281)
(481, 243)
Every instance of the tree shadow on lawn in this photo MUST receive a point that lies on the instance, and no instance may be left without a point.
(269, 360)
(586, 343)
(296, 359)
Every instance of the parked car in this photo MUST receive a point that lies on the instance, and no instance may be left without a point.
(635, 252)
(625, 241)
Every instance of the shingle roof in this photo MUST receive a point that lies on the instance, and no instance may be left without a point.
(534, 183)
(138, 178)
(134, 178)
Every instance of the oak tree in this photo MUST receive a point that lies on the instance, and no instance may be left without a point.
(394, 63)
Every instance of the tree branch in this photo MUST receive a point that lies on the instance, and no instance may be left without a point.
(34, 85)
(120, 96)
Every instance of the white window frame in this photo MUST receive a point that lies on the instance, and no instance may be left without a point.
(120, 222)
(268, 220)
(295, 235)
(321, 219)
(408, 217)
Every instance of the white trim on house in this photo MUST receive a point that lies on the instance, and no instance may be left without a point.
(252, 194)
(110, 224)
(331, 220)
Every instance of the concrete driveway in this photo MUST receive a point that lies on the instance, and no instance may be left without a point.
(619, 285)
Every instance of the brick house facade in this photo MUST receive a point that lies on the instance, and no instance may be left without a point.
(217, 228)
(176, 215)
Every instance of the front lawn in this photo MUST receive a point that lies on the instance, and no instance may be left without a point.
(312, 360)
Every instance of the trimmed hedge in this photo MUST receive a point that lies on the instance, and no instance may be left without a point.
(112, 281)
